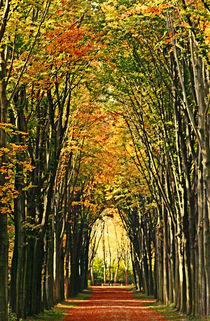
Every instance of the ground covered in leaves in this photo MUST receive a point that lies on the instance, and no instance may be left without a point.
(113, 303)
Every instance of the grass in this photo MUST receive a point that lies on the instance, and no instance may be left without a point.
(169, 312)
(49, 315)
(84, 295)
(143, 296)
(61, 309)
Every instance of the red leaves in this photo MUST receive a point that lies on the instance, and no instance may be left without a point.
(59, 11)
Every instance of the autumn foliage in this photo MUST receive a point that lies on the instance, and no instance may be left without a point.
(103, 104)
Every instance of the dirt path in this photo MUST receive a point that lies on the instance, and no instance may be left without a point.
(113, 304)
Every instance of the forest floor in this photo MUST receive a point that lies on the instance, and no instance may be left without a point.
(108, 303)
(113, 304)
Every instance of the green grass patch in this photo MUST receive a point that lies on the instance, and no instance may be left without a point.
(142, 296)
(169, 312)
(84, 295)
(61, 309)
(49, 315)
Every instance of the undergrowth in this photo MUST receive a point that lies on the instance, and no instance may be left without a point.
(169, 312)
(61, 309)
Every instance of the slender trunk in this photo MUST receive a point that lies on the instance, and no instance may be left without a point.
(48, 286)
(165, 257)
(18, 263)
(104, 258)
(18, 286)
(3, 216)
(3, 268)
(133, 266)
(159, 257)
(85, 284)
(117, 270)
(92, 276)
(75, 281)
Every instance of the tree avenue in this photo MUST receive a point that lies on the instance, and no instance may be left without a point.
(104, 104)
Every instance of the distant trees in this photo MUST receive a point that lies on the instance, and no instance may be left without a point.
(109, 259)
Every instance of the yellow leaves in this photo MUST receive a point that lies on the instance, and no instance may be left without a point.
(206, 27)
(150, 206)
(6, 125)
(3, 150)
(109, 8)
(11, 129)
(18, 148)
(130, 149)
(76, 203)
(7, 194)
(8, 173)
(36, 4)
(86, 204)
(25, 189)
(111, 13)
(27, 166)
(152, 9)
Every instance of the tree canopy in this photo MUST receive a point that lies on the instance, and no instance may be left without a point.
(103, 104)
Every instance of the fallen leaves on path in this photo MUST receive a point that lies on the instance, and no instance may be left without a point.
(113, 304)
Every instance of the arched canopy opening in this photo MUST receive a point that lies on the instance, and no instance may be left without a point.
(110, 251)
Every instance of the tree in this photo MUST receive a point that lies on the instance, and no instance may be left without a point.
(4, 10)
(154, 76)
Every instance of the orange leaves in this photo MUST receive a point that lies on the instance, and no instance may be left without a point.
(27, 166)
(10, 129)
(58, 12)
(7, 192)
(152, 10)
(11, 151)
(63, 47)
(68, 44)
(92, 153)
(18, 148)
(3, 150)
(63, 40)
(4, 209)
(140, 9)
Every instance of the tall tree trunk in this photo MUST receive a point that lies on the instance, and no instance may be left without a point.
(3, 215)
(49, 270)
(18, 275)
(165, 257)
(18, 279)
(159, 256)
(104, 257)
(3, 268)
